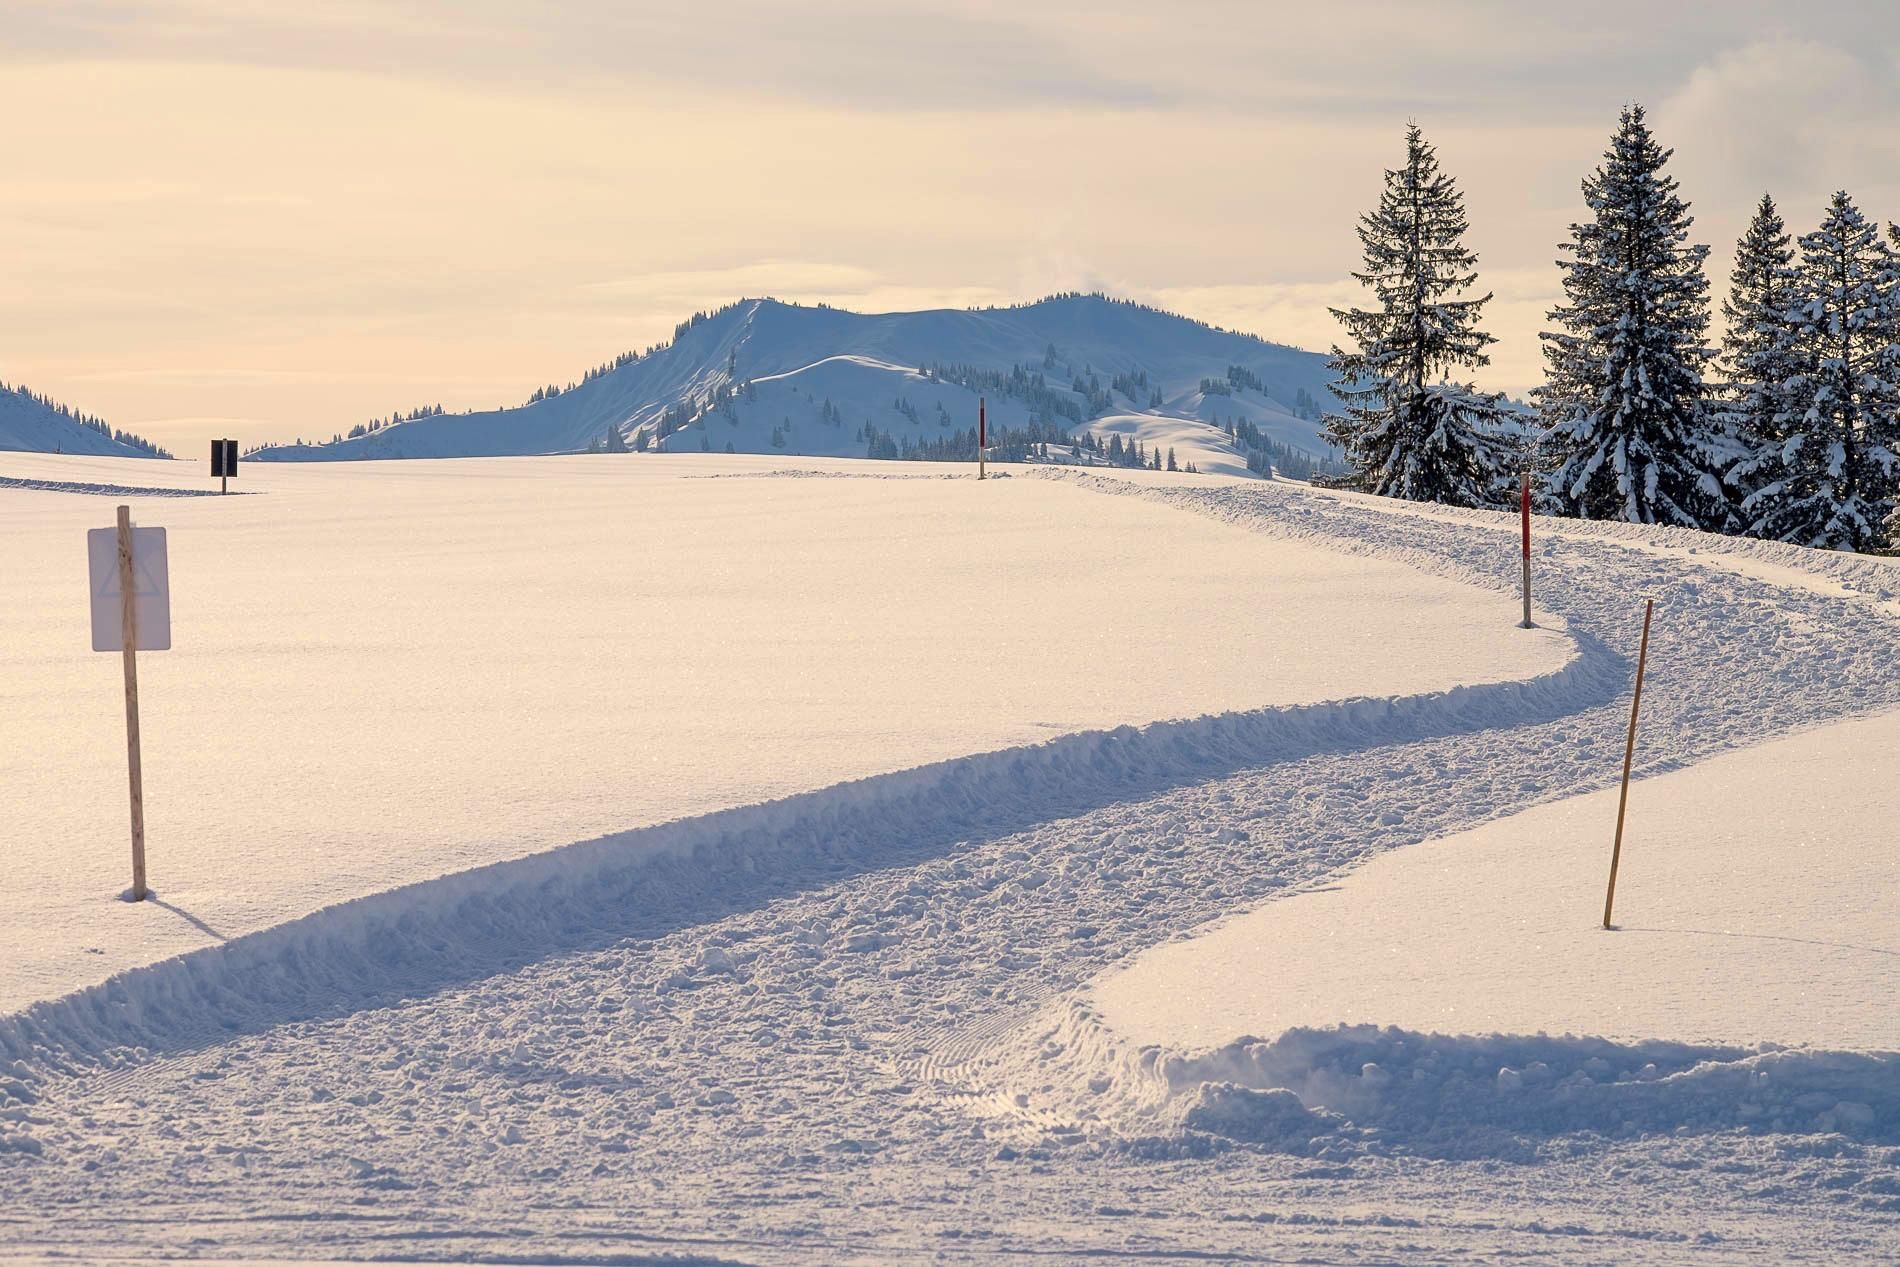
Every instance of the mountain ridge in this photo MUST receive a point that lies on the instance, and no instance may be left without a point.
(31, 422)
(763, 375)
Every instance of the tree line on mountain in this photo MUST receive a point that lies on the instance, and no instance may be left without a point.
(1239, 378)
(1006, 443)
(1030, 386)
(1789, 430)
(1265, 455)
(1034, 441)
(145, 447)
(377, 424)
(1089, 449)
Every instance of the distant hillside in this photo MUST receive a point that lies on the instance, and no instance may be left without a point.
(761, 376)
(32, 423)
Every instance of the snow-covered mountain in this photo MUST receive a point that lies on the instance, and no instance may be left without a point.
(762, 376)
(35, 424)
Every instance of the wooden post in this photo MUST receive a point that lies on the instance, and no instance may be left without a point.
(128, 626)
(1629, 754)
(982, 436)
(1524, 508)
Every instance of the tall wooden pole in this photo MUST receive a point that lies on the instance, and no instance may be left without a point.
(1629, 754)
(128, 628)
(1524, 511)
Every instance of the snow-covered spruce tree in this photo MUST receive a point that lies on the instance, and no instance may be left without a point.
(1829, 478)
(1757, 351)
(1407, 430)
(1629, 433)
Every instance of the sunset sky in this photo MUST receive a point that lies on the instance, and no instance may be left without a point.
(268, 221)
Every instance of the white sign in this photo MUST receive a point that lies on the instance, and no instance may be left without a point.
(151, 590)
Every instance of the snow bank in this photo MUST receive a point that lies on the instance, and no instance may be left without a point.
(1498, 1094)
(1758, 901)
(1340, 1089)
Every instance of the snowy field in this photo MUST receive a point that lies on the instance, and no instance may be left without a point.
(826, 1013)
(382, 673)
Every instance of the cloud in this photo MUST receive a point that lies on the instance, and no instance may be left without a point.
(1791, 116)
(1300, 313)
(837, 52)
(379, 195)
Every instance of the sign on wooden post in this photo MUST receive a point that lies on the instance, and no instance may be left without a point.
(131, 612)
(224, 460)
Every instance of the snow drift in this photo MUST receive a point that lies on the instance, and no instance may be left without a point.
(1404, 1091)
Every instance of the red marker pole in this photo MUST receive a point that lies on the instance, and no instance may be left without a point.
(1524, 510)
(982, 436)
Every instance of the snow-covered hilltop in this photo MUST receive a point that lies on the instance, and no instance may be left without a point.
(34, 423)
(763, 376)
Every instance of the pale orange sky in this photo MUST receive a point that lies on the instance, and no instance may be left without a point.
(220, 220)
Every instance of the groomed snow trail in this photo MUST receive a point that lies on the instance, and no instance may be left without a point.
(836, 1046)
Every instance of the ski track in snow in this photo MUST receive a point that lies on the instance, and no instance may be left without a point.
(106, 490)
(847, 1028)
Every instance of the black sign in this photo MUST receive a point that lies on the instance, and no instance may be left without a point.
(224, 459)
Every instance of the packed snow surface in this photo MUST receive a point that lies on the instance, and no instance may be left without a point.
(386, 672)
(1758, 900)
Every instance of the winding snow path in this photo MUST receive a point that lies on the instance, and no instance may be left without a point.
(824, 1036)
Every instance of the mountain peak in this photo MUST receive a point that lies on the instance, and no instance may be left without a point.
(765, 375)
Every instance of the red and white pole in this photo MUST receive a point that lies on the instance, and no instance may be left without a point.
(1524, 513)
(982, 436)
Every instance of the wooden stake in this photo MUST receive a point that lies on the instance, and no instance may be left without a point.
(1629, 754)
(128, 626)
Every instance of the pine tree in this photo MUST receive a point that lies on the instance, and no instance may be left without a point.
(1757, 351)
(1830, 478)
(1625, 402)
(1407, 429)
